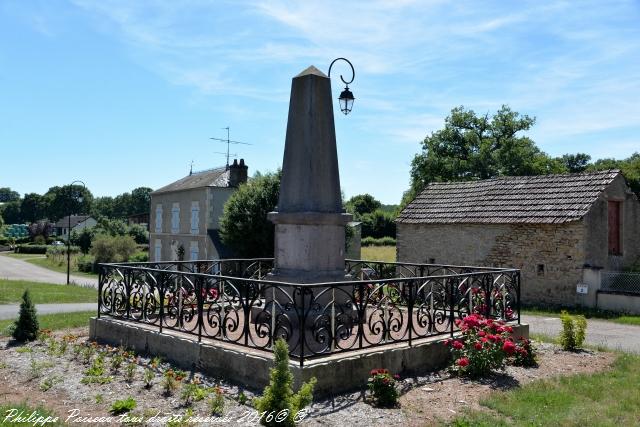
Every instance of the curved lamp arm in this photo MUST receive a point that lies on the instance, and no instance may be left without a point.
(353, 73)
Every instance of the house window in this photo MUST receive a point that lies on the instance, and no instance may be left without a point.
(615, 242)
(158, 218)
(193, 251)
(158, 251)
(175, 218)
(195, 217)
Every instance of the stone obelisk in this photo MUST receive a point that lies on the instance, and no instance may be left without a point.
(309, 222)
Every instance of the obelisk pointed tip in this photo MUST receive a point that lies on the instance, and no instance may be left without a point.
(311, 70)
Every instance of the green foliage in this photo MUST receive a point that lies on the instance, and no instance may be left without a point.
(112, 248)
(192, 391)
(576, 162)
(53, 251)
(130, 371)
(83, 238)
(26, 327)
(140, 256)
(123, 406)
(148, 377)
(65, 199)
(170, 383)
(34, 207)
(278, 395)
(383, 241)
(216, 402)
(573, 331)
(382, 386)
(12, 212)
(31, 249)
(8, 195)
(244, 226)
(362, 204)
(630, 168)
(378, 224)
(139, 233)
(86, 264)
(39, 240)
(479, 147)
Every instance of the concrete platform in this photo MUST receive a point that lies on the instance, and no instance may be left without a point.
(336, 373)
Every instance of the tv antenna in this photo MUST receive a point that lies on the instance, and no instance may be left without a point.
(191, 168)
(229, 142)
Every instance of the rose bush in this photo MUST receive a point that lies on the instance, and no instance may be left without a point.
(382, 386)
(486, 345)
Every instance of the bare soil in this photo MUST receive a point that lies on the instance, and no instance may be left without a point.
(428, 400)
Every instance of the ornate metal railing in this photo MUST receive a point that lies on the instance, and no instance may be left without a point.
(386, 303)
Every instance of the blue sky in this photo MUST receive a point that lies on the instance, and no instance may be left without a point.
(122, 94)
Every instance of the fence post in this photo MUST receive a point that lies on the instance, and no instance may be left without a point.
(410, 302)
(100, 280)
(361, 314)
(451, 303)
(301, 322)
(161, 286)
(127, 294)
(518, 293)
(488, 282)
(200, 295)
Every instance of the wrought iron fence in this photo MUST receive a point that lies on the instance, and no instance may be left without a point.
(386, 303)
(620, 282)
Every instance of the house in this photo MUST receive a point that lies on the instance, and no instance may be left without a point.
(186, 213)
(78, 222)
(140, 219)
(558, 229)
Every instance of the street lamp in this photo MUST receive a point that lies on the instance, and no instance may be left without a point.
(346, 97)
(79, 200)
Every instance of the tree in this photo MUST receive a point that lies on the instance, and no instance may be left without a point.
(278, 395)
(26, 327)
(7, 195)
(103, 207)
(630, 168)
(122, 205)
(83, 238)
(244, 226)
(139, 233)
(378, 224)
(33, 207)
(40, 228)
(140, 200)
(479, 147)
(362, 204)
(576, 162)
(11, 212)
(64, 200)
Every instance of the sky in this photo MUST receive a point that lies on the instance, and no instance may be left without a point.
(123, 94)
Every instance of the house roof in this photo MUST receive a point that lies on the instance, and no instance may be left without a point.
(75, 220)
(522, 199)
(218, 177)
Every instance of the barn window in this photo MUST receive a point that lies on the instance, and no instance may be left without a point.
(615, 246)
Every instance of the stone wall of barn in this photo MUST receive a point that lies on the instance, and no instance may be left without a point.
(550, 256)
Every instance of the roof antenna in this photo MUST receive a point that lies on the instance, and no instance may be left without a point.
(191, 168)
(228, 141)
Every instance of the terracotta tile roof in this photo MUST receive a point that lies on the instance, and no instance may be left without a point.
(218, 177)
(520, 199)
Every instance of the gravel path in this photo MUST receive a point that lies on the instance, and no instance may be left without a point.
(599, 332)
(10, 311)
(17, 269)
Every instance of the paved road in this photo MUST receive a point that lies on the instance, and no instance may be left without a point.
(17, 269)
(10, 311)
(599, 332)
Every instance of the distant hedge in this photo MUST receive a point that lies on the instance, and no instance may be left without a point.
(382, 241)
(31, 249)
(61, 250)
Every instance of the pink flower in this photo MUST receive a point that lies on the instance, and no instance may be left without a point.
(478, 346)
(509, 347)
(463, 361)
(457, 345)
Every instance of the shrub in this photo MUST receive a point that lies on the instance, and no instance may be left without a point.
(26, 327)
(573, 330)
(40, 240)
(139, 257)
(278, 399)
(216, 402)
(86, 263)
(525, 354)
(83, 238)
(130, 371)
(148, 377)
(53, 251)
(383, 241)
(122, 406)
(485, 345)
(170, 383)
(382, 386)
(31, 249)
(139, 233)
(193, 392)
(112, 248)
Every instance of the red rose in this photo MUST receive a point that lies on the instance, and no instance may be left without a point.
(457, 345)
(482, 333)
(463, 361)
(478, 346)
(509, 329)
(509, 347)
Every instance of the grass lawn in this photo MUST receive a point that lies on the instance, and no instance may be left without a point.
(56, 321)
(379, 253)
(41, 293)
(59, 266)
(589, 313)
(609, 398)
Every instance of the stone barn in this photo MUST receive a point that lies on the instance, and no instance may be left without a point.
(558, 229)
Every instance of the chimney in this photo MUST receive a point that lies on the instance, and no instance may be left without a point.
(237, 173)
